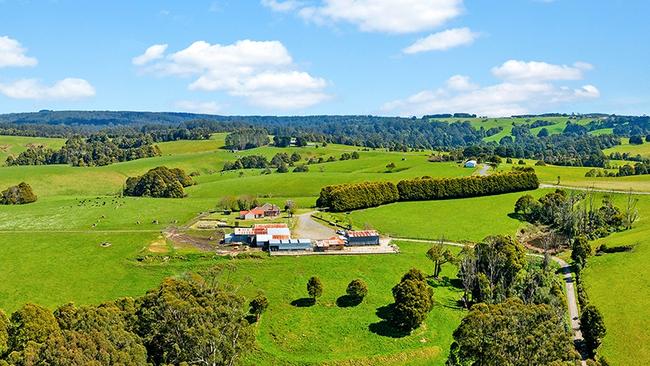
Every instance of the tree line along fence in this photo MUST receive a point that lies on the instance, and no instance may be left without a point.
(348, 197)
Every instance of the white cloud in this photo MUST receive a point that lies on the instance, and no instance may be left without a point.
(66, 89)
(263, 72)
(152, 53)
(517, 96)
(12, 54)
(460, 83)
(516, 70)
(198, 107)
(282, 6)
(442, 41)
(388, 16)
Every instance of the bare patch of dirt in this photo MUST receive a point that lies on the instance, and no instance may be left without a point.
(4, 148)
(541, 238)
(158, 246)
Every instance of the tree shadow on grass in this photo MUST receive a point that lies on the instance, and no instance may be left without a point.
(384, 328)
(347, 301)
(517, 216)
(305, 302)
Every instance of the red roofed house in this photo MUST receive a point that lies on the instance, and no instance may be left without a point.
(266, 210)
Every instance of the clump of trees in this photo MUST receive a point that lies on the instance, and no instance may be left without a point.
(413, 301)
(247, 138)
(95, 150)
(346, 197)
(574, 214)
(180, 322)
(18, 195)
(512, 333)
(247, 162)
(160, 182)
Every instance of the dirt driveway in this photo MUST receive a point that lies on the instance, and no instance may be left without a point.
(308, 228)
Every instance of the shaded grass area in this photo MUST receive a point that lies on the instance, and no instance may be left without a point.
(618, 285)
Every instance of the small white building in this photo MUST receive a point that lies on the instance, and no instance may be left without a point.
(470, 164)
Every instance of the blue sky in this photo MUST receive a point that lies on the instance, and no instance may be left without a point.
(387, 57)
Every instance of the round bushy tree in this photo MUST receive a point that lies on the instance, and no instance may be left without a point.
(258, 305)
(357, 289)
(413, 301)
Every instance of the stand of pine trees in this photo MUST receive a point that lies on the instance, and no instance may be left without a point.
(347, 197)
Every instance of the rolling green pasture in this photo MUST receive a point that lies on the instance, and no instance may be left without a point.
(626, 147)
(14, 145)
(50, 251)
(618, 285)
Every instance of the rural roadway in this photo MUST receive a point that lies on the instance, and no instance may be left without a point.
(307, 227)
(544, 185)
(565, 268)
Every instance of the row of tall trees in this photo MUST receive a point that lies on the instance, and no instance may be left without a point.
(160, 182)
(192, 320)
(346, 197)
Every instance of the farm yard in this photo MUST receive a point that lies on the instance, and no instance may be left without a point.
(83, 242)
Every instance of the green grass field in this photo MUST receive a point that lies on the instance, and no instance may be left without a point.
(51, 253)
(626, 147)
(14, 145)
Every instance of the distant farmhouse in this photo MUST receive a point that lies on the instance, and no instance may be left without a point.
(260, 212)
(470, 164)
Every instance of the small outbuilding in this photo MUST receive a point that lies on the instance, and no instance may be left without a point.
(471, 164)
(289, 245)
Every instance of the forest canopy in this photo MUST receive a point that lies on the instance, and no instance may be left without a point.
(160, 182)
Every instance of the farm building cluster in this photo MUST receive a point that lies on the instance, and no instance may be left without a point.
(277, 238)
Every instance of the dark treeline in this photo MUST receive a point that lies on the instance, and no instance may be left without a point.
(247, 138)
(347, 197)
(193, 320)
(623, 125)
(160, 182)
(96, 150)
(573, 147)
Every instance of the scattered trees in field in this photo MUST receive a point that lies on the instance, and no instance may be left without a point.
(18, 195)
(314, 288)
(439, 255)
(413, 301)
(511, 333)
(247, 162)
(258, 305)
(180, 322)
(160, 182)
(357, 289)
(247, 138)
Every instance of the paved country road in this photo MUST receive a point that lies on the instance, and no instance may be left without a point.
(543, 185)
(565, 269)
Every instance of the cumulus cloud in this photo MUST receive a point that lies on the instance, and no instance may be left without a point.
(388, 16)
(263, 72)
(513, 95)
(442, 41)
(198, 107)
(539, 71)
(66, 89)
(152, 53)
(12, 54)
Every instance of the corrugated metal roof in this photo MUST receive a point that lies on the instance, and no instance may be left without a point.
(362, 233)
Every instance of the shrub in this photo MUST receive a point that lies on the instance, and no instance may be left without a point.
(160, 182)
(357, 289)
(18, 195)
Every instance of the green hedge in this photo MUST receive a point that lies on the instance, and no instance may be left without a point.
(474, 186)
(346, 197)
